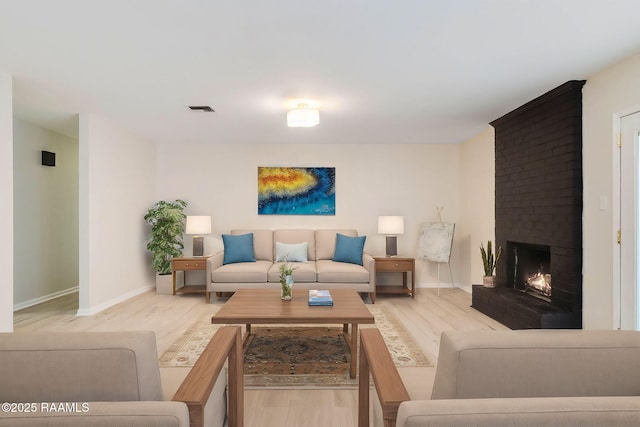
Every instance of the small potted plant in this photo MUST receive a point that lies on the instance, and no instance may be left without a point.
(489, 262)
(167, 221)
(286, 280)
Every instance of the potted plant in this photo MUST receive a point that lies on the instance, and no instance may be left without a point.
(286, 280)
(489, 262)
(167, 221)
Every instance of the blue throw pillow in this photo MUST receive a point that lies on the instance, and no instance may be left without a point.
(238, 248)
(349, 249)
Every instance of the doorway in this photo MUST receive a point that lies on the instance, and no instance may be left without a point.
(46, 215)
(628, 293)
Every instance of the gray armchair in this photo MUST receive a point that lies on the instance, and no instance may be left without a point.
(571, 378)
(113, 378)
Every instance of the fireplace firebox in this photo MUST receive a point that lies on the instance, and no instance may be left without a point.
(529, 269)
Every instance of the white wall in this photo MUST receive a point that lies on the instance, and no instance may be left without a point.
(6, 195)
(117, 186)
(371, 180)
(477, 195)
(46, 215)
(612, 91)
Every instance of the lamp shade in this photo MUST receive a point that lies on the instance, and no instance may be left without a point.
(198, 224)
(303, 117)
(391, 225)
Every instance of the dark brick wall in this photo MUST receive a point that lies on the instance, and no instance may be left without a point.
(538, 186)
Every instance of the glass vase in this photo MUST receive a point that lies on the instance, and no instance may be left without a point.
(286, 288)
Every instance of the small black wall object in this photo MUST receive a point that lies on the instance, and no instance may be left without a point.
(48, 158)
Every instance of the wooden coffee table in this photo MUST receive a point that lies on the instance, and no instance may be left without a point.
(264, 306)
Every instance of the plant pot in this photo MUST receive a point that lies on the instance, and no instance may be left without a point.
(286, 289)
(489, 281)
(164, 284)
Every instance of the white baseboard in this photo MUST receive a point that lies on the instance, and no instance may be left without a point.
(434, 285)
(97, 309)
(45, 298)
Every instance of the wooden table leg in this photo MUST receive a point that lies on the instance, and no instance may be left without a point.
(413, 283)
(174, 281)
(246, 336)
(354, 349)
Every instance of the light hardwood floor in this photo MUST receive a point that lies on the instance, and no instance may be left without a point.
(425, 317)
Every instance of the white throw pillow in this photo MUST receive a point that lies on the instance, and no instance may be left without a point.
(292, 252)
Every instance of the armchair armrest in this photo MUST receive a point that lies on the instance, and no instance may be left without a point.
(376, 360)
(197, 386)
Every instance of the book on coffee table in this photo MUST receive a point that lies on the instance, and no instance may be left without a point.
(320, 298)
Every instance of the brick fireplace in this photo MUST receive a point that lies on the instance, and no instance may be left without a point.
(538, 209)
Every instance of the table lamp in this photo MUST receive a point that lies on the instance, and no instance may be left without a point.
(391, 226)
(198, 225)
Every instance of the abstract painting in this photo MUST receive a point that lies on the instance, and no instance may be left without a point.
(436, 239)
(296, 191)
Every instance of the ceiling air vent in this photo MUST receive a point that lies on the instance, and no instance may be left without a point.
(205, 108)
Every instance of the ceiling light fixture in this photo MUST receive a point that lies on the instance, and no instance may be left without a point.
(303, 117)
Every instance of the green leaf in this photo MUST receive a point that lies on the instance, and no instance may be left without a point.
(167, 221)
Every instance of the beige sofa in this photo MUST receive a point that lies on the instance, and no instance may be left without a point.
(113, 378)
(318, 272)
(509, 378)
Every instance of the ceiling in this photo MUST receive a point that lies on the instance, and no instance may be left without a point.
(382, 71)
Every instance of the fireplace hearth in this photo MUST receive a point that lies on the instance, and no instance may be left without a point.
(538, 214)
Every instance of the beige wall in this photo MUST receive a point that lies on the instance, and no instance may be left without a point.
(46, 215)
(6, 195)
(613, 91)
(477, 199)
(117, 186)
(371, 180)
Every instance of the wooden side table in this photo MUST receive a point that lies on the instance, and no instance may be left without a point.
(402, 265)
(190, 264)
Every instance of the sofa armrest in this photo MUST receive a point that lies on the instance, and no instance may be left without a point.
(376, 360)
(213, 262)
(370, 265)
(225, 345)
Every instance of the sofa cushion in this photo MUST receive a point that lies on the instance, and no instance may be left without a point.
(341, 272)
(304, 272)
(292, 252)
(298, 236)
(102, 414)
(349, 249)
(326, 241)
(238, 248)
(240, 272)
(509, 412)
(262, 242)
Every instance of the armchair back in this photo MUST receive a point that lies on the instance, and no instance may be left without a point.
(537, 363)
(65, 367)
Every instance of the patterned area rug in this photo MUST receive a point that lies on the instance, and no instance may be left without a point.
(298, 355)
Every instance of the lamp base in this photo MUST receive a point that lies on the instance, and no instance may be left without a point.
(198, 246)
(392, 246)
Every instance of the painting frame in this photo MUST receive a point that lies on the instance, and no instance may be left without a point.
(285, 190)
